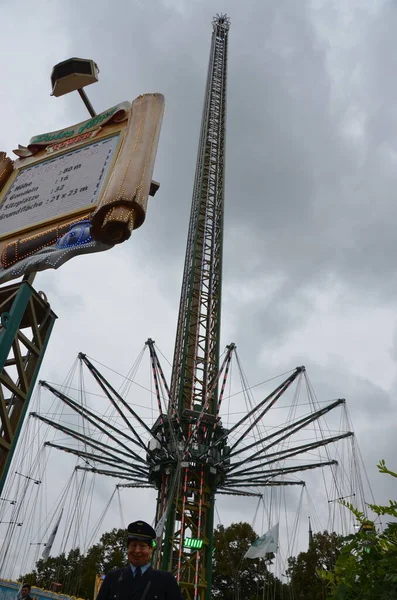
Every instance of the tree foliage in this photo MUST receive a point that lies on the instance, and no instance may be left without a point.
(237, 578)
(366, 568)
(76, 571)
(305, 569)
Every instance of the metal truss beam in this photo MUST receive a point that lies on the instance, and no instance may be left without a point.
(196, 355)
(85, 439)
(271, 399)
(268, 483)
(171, 415)
(98, 422)
(26, 322)
(251, 480)
(135, 485)
(284, 433)
(112, 395)
(269, 402)
(238, 493)
(196, 427)
(289, 453)
(88, 456)
(116, 474)
(193, 510)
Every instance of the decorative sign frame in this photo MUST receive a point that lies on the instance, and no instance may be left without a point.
(78, 190)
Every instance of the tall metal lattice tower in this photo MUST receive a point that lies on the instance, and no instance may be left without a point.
(189, 498)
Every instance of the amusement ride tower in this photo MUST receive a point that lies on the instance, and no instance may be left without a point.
(194, 427)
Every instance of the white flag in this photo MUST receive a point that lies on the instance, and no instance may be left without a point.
(48, 546)
(264, 545)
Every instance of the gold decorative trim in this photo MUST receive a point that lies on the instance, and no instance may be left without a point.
(6, 168)
(124, 201)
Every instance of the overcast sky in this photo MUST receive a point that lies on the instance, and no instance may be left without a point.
(310, 247)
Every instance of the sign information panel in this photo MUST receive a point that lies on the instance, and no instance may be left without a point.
(57, 186)
(78, 190)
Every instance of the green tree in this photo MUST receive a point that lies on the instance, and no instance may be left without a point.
(108, 554)
(305, 569)
(60, 569)
(76, 572)
(236, 578)
(112, 550)
(366, 568)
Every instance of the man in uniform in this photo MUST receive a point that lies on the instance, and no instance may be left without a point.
(138, 580)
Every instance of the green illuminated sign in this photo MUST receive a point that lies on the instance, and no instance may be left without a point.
(94, 122)
(66, 133)
(193, 543)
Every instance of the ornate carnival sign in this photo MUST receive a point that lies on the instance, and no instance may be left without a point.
(78, 190)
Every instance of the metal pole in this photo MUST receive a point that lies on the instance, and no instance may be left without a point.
(29, 277)
(86, 101)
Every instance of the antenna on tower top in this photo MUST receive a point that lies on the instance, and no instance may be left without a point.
(222, 21)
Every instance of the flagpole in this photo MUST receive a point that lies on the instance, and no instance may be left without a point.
(48, 546)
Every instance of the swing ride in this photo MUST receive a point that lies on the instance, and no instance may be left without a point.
(69, 418)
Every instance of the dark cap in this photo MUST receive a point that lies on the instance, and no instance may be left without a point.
(141, 531)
